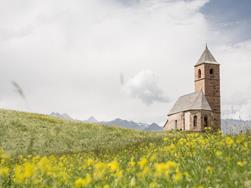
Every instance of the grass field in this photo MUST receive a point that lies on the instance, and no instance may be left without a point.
(27, 133)
(42, 151)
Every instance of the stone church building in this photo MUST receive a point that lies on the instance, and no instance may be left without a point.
(200, 109)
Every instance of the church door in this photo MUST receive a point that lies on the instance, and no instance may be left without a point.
(205, 121)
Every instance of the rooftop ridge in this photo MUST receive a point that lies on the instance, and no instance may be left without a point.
(191, 101)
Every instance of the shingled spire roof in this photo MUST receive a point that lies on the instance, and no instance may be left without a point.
(192, 101)
(207, 57)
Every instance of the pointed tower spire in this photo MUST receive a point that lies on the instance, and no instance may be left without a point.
(207, 57)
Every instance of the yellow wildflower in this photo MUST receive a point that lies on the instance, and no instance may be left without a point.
(171, 165)
(131, 163)
(142, 163)
(28, 170)
(218, 153)
(177, 176)
(161, 169)
(165, 139)
(153, 157)
(100, 166)
(170, 148)
(100, 169)
(19, 177)
(187, 176)
(164, 168)
(106, 186)
(240, 139)
(245, 145)
(82, 182)
(209, 170)
(200, 186)
(229, 141)
(144, 172)
(4, 171)
(44, 165)
(241, 163)
(4, 156)
(89, 162)
(114, 165)
(119, 174)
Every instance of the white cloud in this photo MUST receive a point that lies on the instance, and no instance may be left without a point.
(235, 75)
(144, 86)
(68, 55)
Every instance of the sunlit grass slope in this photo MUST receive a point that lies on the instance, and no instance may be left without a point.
(28, 133)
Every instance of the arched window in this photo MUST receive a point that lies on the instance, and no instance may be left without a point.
(195, 119)
(211, 71)
(176, 124)
(199, 73)
(205, 121)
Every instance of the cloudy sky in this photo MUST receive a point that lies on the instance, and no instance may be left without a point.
(121, 58)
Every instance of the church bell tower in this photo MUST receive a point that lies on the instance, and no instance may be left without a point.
(207, 79)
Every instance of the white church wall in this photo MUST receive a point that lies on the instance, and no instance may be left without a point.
(175, 121)
(187, 121)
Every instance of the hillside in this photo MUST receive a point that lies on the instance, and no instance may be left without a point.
(28, 133)
(74, 154)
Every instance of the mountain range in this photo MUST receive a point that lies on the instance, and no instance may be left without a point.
(228, 126)
(133, 125)
(61, 116)
(116, 122)
(233, 126)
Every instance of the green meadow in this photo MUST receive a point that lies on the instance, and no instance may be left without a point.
(43, 151)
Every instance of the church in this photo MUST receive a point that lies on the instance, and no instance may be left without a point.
(202, 108)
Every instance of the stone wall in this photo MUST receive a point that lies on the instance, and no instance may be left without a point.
(185, 120)
(199, 120)
(171, 122)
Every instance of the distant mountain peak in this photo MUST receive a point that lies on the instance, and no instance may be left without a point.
(132, 125)
(153, 127)
(92, 120)
(61, 116)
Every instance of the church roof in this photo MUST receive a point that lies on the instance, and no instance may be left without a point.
(192, 101)
(207, 57)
